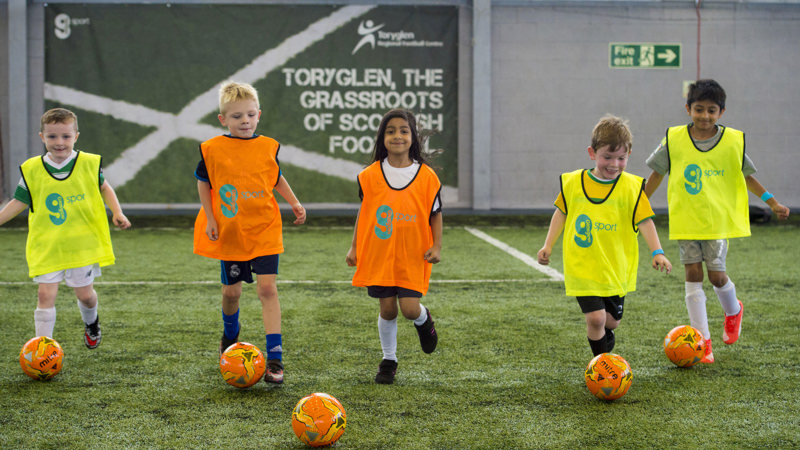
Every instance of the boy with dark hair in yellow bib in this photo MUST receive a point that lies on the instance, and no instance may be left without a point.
(601, 212)
(68, 238)
(708, 202)
(240, 221)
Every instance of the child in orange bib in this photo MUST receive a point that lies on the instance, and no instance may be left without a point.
(240, 222)
(398, 234)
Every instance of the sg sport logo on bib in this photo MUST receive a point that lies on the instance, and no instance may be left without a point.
(692, 176)
(585, 228)
(583, 231)
(55, 204)
(385, 218)
(228, 196)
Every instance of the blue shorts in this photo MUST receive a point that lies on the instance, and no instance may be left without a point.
(613, 305)
(391, 291)
(233, 272)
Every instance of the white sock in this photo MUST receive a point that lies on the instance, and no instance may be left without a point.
(727, 298)
(44, 320)
(423, 316)
(89, 315)
(387, 330)
(696, 306)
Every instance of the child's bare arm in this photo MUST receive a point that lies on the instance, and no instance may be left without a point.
(110, 197)
(204, 192)
(11, 210)
(351, 254)
(754, 186)
(433, 255)
(653, 181)
(286, 192)
(556, 227)
(660, 261)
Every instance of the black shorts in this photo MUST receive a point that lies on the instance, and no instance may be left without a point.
(233, 272)
(613, 305)
(391, 291)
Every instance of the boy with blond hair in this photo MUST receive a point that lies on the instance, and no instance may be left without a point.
(240, 221)
(68, 237)
(601, 212)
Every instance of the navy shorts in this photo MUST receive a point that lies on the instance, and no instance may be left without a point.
(391, 291)
(233, 272)
(613, 305)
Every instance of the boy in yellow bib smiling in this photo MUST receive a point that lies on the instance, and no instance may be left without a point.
(601, 212)
(707, 196)
(68, 237)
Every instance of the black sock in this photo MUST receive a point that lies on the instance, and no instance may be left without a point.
(598, 346)
(610, 340)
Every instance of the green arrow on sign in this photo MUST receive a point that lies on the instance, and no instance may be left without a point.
(644, 55)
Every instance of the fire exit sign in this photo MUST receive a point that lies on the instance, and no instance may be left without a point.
(644, 56)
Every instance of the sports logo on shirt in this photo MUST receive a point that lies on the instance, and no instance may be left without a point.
(228, 194)
(692, 176)
(55, 204)
(583, 231)
(384, 217)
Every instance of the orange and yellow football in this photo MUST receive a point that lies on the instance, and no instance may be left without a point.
(685, 346)
(41, 358)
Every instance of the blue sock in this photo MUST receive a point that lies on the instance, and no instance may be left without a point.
(274, 349)
(231, 323)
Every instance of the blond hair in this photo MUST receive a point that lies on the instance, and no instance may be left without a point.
(58, 115)
(233, 91)
(612, 131)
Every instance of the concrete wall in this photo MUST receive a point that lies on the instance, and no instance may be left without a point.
(22, 102)
(3, 96)
(551, 82)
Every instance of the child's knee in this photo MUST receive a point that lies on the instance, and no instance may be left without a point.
(596, 319)
(718, 279)
(410, 308)
(231, 294)
(694, 272)
(267, 293)
(87, 296)
(611, 322)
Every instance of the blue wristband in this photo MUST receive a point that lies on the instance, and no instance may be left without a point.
(658, 252)
(766, 196)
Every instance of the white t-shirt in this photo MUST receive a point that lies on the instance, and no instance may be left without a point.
(400, 177)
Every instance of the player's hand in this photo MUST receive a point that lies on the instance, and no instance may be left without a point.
(544, 256)
(433, 255)
(661, 263)
(351, 257)
(121, 222)
(212, 230)
(299, 213)
(781, 211)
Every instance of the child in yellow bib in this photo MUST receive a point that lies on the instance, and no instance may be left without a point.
(601, 213)
(708, 202)
(398, 234)
(68, 238)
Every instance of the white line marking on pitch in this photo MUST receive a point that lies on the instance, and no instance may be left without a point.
(527, 259)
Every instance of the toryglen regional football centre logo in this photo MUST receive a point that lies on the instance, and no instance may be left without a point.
(373, 35)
